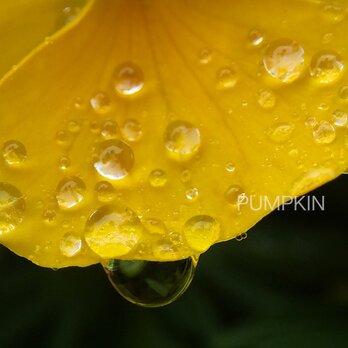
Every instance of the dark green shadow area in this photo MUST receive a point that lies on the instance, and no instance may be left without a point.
(285, 286)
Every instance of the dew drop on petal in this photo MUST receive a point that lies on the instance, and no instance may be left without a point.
(109, 129)
(158, 178)
(324, 133)
(100, 103)
(185, 175)
(150, 283)
(266, 99)
(182, 140)
(105, 191)
(192, 194)
(154, 226)
(333, 13)
(70, 245)
(115, 159)
(235, 195)
(12, 207)
(326, 67)
(340, 118)
(131, 130)
(230, 167)
(64, 163)
(255, 37)
(70, 192)
(74, 127)
(343, 93)
(14, 152)
(205, 56)
(281, 132)
(113, 231)
(201, 232)
(226, 78)
(284, 60)
(128, 79)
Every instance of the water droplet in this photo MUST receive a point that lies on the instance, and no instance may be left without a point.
(64, 163)
(154, 226)
(327, 38)
(131, 130)
(241, 237)
(182, 140)
(158, 178)
(339, 118)
(230, 167)
(113, 231)
(100, 103)
(109, 129)
(326, 66)
(49, 215)
(94, 127)
(70, 245)
(74, 127)
(255, 37)
(149, 283)
(343, 93)
(12, 207)
(192, 194)
(324, 133)
(14, 152)
(311, 122)
(281, 132)
(186, 175)
(105, 191)
(205, 56)
(79, 103)
(201, 232)
(266, 99)
(128, 79)
(284, 60)
(115, 159)
(227, 78)
(334, 13)
(62, 138)
(235, 195)
(70, 14)
(70, 192)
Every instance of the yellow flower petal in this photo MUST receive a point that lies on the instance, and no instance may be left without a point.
(148, 122)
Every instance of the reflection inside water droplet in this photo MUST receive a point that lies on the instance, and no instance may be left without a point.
(149, 283)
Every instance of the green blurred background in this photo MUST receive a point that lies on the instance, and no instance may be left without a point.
(286, 285)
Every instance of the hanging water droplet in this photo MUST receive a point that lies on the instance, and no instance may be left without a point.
(324, 133)
(326, 66)
(280, 133)
(192, 194)
(14, 153)
(230, 167)
(113, 231)
(12, 208)
(158, 178)
(266, 98)
(128, 79)
(227, 78)
(255, 37)
(205, 56)
(105, 191)
(241, 237)
(70, 245)
(70, 192)
(284, 60)
(182, 140)
(148, 283)
(340, 118)
(115, 159)
(343, 93)
(201, 232)
(109, 129)
(100, 103)
(131, 130)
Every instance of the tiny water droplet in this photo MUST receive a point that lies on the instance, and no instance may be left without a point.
(128, 79)
(205, 56)
(49, 215)
(109, 129)
(64, 163)
(235, 195)
(201, 232)
(115, 159)
(158, 178)
(131, 130)
(14, 153)
(105, 191)
(266, 98)
(62, 138)
(281, 132)
(343, 93)
(113, 231)
(94, 127)
(311, 122)
(324, 133)
(150, 283)
(192, 194)
(255, 37)
(70, 245)
(70, 192)
(230, 167)
(154, 226)
(284, 60)
(227, 78)
(340, 118)
(326, 66)
(74, 127)
(185, 175)
(100, 103)
(12, 207)
(182, 140)
(327, 38)
(333, 13)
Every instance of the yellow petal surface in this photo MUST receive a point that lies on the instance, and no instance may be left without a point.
(142, 131)
(25, 23)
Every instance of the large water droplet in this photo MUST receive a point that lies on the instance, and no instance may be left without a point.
(114, 160)
(70, 192)
(70, 245)
(201, 232)
(128, 79)
(182, 140)
(14, 152)
(148, 283)
(113, 231)
(324, 133)
(284, 60)
(12, 207)
(326, 66)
